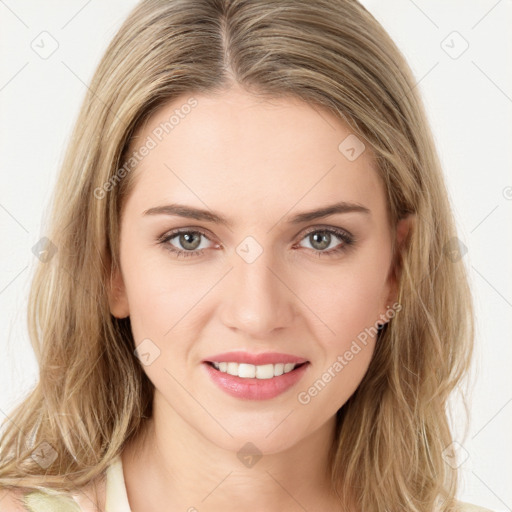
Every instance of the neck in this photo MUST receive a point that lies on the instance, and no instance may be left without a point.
(173, 466)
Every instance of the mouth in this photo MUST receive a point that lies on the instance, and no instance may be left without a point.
(251, 371)
(255, 382)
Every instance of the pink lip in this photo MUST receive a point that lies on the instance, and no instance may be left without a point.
(254, 389)
(255, 359)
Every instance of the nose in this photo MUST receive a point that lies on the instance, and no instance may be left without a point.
(257, 298)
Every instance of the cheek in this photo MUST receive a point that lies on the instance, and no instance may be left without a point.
(167, 299)
(345, 300)
(153, 297)
(161, 307)
(158, 302)
(346, 337)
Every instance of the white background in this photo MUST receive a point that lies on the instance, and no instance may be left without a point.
(469, 104)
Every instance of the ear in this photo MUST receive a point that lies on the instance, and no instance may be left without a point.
(403, 228)
(117, 296)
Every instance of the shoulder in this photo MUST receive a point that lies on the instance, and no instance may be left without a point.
(469, 507)
(33, 500)
(88, 498)
(23, 500)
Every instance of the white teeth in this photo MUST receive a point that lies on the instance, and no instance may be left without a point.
(246, 371)
(251, 371)
(278, 369)
(232, 369)
(264, 371)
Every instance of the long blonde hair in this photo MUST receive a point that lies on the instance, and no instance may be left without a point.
(92, 394)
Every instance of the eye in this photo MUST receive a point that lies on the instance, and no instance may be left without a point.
(184, 242)
(321, 239)
(188, 242)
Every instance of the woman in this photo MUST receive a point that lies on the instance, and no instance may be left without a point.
(250, 299)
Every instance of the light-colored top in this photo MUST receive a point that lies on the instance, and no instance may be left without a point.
(117, 497)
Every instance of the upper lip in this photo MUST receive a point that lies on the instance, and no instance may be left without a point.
(255, 359)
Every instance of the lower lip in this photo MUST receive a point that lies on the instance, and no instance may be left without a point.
(255, 389)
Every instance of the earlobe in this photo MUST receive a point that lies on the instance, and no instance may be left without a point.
(118, 299)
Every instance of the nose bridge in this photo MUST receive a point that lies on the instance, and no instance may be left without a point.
(257, 301)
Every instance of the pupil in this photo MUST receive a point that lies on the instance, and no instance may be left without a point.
(322, 238)
(186, 243)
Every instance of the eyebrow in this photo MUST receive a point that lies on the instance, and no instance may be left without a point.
(189, 212)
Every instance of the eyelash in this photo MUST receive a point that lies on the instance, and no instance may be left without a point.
(348, 241)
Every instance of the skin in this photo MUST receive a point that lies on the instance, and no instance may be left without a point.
(258, 163)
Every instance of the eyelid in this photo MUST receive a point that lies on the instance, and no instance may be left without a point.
(346, 237)
(188, 229)
(326, 227)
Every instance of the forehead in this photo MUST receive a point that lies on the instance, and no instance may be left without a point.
(235, 150)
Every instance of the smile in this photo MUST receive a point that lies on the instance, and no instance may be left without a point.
(255, 382)
(251, 371)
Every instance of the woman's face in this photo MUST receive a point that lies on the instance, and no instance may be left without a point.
(269, 278)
